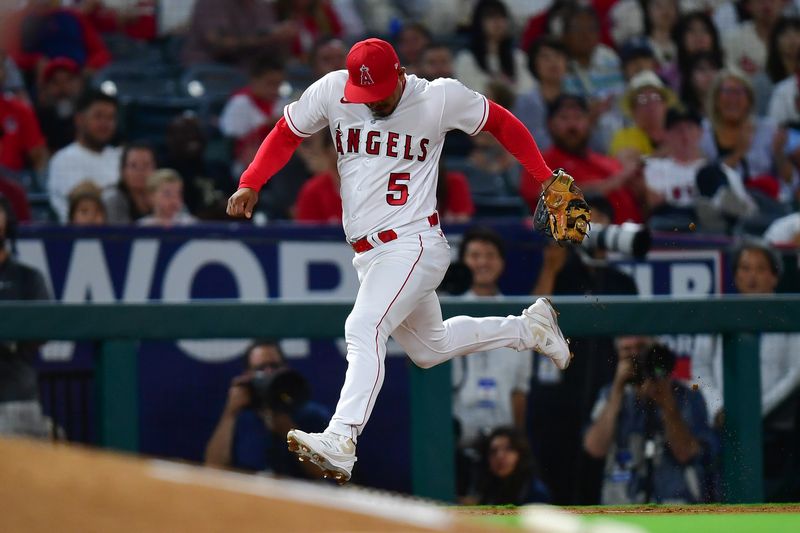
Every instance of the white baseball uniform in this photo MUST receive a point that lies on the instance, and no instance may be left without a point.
(388, 168)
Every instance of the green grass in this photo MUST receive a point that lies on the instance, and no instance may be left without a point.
(689, 523)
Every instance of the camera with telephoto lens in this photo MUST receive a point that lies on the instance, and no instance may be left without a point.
(655, 362)
(283, 390)
(627, 238)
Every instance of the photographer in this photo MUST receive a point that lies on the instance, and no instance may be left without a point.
(651, 430)
(264, 403)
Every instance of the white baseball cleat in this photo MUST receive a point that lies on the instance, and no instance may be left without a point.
(542, 319)
(334, 454)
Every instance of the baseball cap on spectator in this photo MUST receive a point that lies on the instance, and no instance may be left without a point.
(647, 79)
(372, 68)
(636, 48)
(56, 64)
(566, 100)
(677, 115)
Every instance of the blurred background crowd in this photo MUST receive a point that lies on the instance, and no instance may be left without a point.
(681, 114)
(675, 111)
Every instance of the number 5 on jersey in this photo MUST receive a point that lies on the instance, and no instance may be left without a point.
(398, 188)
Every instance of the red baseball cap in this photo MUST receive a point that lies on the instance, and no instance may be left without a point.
(59, 63)
(372, 68)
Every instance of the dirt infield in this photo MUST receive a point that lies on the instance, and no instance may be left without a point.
(645, 509)
(46, 488)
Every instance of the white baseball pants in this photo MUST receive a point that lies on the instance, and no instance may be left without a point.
(397, 297)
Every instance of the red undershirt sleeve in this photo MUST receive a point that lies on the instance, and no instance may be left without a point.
(516, 138)
(272, 155)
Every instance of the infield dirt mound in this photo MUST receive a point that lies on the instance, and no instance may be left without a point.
(46, 488)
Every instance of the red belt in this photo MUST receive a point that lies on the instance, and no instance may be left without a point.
(363, 245)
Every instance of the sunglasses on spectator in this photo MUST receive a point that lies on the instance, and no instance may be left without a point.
(733, 91)
(646, 98)
(269, 366)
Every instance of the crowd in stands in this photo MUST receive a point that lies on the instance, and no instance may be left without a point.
(678, 112)
(681, 114)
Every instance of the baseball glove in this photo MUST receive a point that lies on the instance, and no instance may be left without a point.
(562, 212)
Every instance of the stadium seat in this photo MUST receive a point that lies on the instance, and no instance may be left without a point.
(211, 81)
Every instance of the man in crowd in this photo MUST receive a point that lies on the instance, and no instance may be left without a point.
(252, 437)
(651, 430)
(91, 157)
(569, 125)
(60, 86)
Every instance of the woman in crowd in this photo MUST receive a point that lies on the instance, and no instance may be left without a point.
(510, 474)
(695, 33)
(660, 17)
(492, 54)
(129, 200)
(699, 74)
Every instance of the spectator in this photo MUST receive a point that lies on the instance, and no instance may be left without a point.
(20, 412)
(412, 41)
(784, 49)
(313, 19)
(326, 56)
(492, 54)
(783, 106)
(129, 200)
(747, 150)
(252, 112)
(319, 200)
(251, 435)
(698, 77)
(646, 101)
(453, 196)
(695, 33)
(660, 18)
(637, 56)
(86, 206)
(644, 408)
(91, 157)
(569, 126)
(60, 86)
(21, 142)
(757, 269)
(671, 179)
(511, 474)
(235, 30)
(490, 388)
(547, 59)
(207, 185)
(436, 62)
(594, 68)
(42, 31)
(746, 46)
(166, 196)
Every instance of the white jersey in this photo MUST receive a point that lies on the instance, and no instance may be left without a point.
(388, 166)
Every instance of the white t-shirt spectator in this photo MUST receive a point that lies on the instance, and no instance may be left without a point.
(242, 115)
(744, 49)
(470, 73)
(75, 164)
(673, 180)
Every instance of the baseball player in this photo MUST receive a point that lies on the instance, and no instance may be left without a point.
(388, 129)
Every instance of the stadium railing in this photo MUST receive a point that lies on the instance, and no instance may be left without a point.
(119, 326)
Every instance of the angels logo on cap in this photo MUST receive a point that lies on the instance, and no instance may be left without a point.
(366, 79)
(372, 71)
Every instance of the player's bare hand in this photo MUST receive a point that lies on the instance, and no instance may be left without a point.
(242, 202)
